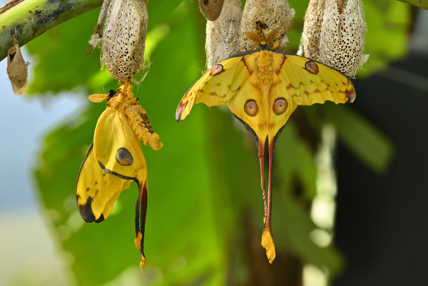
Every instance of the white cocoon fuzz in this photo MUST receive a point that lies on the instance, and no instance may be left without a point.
(222, 38)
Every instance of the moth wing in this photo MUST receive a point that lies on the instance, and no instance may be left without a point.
(113, 133)
(216, 87)
(97, 190)
(309, 82)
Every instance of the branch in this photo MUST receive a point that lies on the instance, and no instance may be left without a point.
(31, 18)
(418, 3)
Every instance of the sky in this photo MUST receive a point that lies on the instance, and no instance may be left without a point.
(26, 246)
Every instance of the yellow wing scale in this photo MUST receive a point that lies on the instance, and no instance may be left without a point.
(307, 88)
(112, 133)
(115, 159)
(214, 90)
(94, 199)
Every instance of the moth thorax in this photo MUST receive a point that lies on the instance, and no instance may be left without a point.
(124, 37)
(124, 157)
(270, 15)
(264, 72)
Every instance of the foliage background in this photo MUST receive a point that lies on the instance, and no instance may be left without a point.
(205, 206)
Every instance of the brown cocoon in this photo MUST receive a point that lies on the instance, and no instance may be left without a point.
(272, 15)
(211, 8)
(17, 69)
(223, 34)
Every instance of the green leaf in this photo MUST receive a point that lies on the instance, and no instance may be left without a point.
(387, 34)
(361, 137)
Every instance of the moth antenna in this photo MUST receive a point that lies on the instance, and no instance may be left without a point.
(272, 35)
(254, 37)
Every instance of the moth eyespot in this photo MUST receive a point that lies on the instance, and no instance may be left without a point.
(251, 108)
(280, 106)
(124, 157)
(216, 70)
(311, 67)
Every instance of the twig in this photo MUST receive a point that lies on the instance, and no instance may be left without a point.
(28, 19)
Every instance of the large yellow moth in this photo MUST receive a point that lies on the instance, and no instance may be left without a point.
(115, 159)
(263, 88)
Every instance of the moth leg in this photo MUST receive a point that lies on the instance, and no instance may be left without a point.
(96, 36)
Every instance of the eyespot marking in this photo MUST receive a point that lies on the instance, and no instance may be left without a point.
(280, 106)
(124, 157)
(311, 67)
(251, 108)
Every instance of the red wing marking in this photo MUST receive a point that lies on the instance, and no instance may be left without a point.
(281, 64)
(246, 64)
(311, 67)
(350, 94)
(180, 109)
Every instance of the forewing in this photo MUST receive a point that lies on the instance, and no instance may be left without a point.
(97, 190)
(216, 87)
(112, 134)
(309, 82)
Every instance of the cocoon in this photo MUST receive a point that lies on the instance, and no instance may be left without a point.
(272, 15)
(123, 38)
(334, 34)
(222, 38)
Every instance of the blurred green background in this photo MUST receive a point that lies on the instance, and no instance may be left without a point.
(205, 207)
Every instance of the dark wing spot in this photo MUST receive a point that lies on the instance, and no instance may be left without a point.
(124, 157)
(100, 219)
(86, 211)
(311, 67)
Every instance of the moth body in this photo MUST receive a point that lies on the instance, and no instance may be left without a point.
(115, 159)
(263, 88)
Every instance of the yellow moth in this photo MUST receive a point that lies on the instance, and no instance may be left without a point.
(263, 88)
(115, 159)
